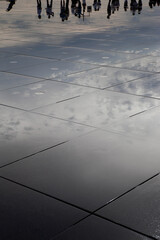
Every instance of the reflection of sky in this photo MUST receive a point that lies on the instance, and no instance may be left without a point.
(24, 133)
(148, 86)
(100, 109)
(80, 74)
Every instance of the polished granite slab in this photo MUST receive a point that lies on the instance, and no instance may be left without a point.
(144, 126)
(148, 86)
(42, 93)
(23, 133)
(9, 80)
(57, 169)
(104, 77)
(39, 217)
(52, 69)
(148, 64)
(138, 209)
(89, 171)
(96, 228)
(100, 108)
(19, 62)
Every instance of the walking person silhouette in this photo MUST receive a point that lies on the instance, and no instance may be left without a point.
(109, 9)
(39, 8)
(11, 3)
(63, 10)
(49, 11)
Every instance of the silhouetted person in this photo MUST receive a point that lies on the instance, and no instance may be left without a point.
(78, 12)
(125, 5)
(67, 9)
(113, 8)
(139, 6)
(73, 6)
(152, 3)
(84, 5)
(49, 9)
(116, 4)
(133, 6)
(63, 10)
(39, 8)
(11, 3)
(96, 5)
(158, 2)
(109, 9)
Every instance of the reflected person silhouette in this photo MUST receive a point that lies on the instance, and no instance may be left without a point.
(152, 3)
(11, 3)
(139, 6)
(64, 14)
(84, 5)
(125, 5)
(96, 5)
(109, 9)
(133, 6)
(115, 5)
(49, 11)
(78, 12)
(39, 8)
(158, 2)
(73, 6)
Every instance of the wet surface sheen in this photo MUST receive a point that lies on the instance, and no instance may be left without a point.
(79, 122)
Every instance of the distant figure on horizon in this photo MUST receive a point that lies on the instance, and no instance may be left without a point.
(49, 11)
(39, 8)
(11, 3)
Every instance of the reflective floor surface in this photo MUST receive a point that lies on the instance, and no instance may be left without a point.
(80, 122)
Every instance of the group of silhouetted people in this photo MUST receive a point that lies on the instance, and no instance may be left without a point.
(113, 5)
(48, 9)
(135, 6)
(153, 3)
(78, 7)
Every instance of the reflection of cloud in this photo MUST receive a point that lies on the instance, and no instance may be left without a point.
(149, 86)
(100, 108)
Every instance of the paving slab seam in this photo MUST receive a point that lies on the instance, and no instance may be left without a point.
(110, 220)
(103, 64)
(33, 154)
(46, 194)
(74, 84)
(19, 74)
(98, 50)
(77, 207)
(129, 69)
(122, 83)
(24, 75)
(91, 126)
(23, 85)
(132, 94)
(8, 106)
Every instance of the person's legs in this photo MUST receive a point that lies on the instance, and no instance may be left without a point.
(51, 4)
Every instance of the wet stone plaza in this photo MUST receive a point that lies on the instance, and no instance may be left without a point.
(79, 120)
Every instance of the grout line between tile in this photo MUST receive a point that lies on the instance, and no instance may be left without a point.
(33, 154)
